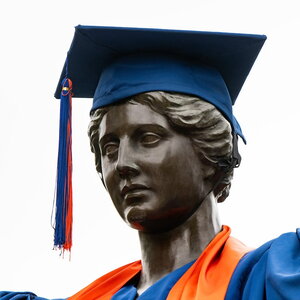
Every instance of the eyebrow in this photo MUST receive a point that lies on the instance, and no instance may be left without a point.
(144, 127)
(106, 138)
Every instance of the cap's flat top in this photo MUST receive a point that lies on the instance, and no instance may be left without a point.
(94, 47)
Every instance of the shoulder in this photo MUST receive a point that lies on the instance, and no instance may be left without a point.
(272, 270)
(283, 267)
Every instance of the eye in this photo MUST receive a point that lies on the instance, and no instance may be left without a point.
(110, 149)
(150, 138)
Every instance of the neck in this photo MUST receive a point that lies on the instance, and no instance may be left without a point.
(164, 252)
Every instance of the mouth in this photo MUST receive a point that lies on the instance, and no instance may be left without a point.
(133, 191)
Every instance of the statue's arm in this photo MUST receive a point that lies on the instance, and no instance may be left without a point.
(21, 296)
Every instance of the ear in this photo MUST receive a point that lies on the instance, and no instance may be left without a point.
(221, 191)
(222, 181)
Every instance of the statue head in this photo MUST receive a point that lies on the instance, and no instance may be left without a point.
(113, 64)
(202, 138)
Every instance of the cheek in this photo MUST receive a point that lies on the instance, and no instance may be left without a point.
(112, 184)
(182, 162)
(178, 174)
(108, 171)
(107, 174)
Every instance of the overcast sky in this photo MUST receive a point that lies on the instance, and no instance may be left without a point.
(35, 37)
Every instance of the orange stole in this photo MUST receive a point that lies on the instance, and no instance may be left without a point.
(207, 278)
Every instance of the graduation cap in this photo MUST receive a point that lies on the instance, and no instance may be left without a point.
(110, 64)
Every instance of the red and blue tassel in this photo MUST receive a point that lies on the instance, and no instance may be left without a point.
(63, 195)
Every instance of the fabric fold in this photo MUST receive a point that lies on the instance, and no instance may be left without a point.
(207, 278)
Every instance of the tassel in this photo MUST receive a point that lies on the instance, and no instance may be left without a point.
(63, 196)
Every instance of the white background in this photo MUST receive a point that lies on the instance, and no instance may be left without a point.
(35, 36)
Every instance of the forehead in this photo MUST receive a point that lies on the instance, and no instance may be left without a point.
(129, 116)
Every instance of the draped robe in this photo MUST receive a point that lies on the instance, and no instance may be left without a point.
(226, 269)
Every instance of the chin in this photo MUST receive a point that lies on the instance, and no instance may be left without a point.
(136, 218)
(144, 221)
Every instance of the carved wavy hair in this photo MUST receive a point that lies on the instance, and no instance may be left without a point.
(208, 129)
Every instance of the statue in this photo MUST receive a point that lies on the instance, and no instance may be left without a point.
(158, 153)
(165, 144)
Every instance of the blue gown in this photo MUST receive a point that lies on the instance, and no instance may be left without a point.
(160, 289)
(271, 272)
(21, 296)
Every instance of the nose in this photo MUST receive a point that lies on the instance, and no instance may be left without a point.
(126, 165)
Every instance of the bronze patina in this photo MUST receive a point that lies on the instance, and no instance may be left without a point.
(158, 154)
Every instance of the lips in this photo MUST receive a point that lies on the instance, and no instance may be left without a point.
(133, 190)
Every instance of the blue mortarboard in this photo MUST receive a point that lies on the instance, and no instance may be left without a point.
(110, 64)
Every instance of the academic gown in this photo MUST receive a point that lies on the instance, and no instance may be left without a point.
(225, 270)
